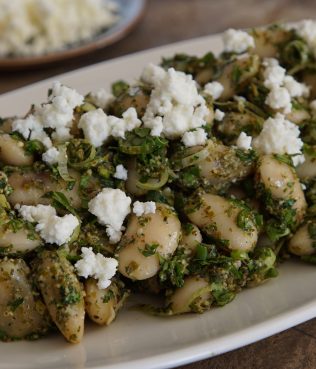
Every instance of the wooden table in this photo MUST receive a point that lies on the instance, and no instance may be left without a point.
(173, 20)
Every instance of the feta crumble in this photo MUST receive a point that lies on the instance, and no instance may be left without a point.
(280, 136)
(214, 89)
(237, 41)
(120, 172)
(96, 266)
(95, 126)
(282, 87)
(295, 89)
(129, 121)
(57, 114)
(111, 206)
(51, 156)
(279, 98)
(98, 127)
(219, 115)
(152, 74)
(101, 98)
(175, 105)
(306, 29)
(244, 141)
(273, 74)
(51, 227)
(194, 138)
(141, 208)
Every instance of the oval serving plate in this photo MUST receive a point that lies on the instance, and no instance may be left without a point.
(131, 12)
(139, 341)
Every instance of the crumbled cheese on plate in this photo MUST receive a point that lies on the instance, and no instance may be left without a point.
(280, 136)
(141, 208)
(51, 227)
(244, 141)
(219, 115)
(194, 138)
(237, 41)
(175, 105)
(96, 266)
(103, 205)
(120, 172)
(57, 114)
(214, 89)
(99, 127)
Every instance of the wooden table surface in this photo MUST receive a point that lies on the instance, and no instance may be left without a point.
(168, 21)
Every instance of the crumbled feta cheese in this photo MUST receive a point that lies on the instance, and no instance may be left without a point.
(96, 266)
(111, 206)
(120, 172)
(37, 213)
(141, 208)
(273, 74)
(95, 127)
(303, 186)
(244, 141)
(295, 89)
(194, 138)
(152, 74)
(51, 25)
(175, 105)
(98, 127)
(51, 156)
(215, 89)
(237, 41)
(101, 98)
(32, 129)
(279, 98)
(57, 114)
(282, 87)
(280, 136)
(129, 121)
(51, 227)
(306, 29)
(219, 115)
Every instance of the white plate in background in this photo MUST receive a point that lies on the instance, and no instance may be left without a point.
(139, 341)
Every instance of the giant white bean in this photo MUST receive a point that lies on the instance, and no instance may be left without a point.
(282, 182)
(17, 242)
(12, 152)
(301, 243)
(102, 305)
(246, 67)
(307, 170)
(194, 289)
(21, 312)
(30, 187)
(62, 294)
(144, 235)
(218, 218)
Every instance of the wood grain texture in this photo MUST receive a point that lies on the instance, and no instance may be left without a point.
(174, 20)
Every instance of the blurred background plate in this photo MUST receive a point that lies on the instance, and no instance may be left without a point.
(131, 12)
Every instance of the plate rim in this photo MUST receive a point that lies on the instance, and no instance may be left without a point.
(199, 351)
